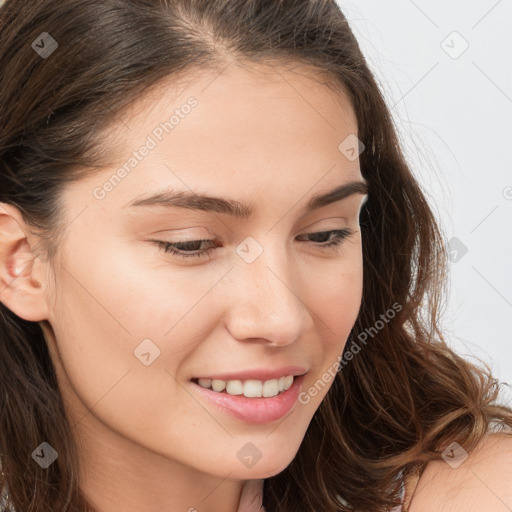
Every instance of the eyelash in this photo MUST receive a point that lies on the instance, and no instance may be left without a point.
(167, 247)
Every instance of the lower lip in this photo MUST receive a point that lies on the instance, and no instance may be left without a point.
(254, 410)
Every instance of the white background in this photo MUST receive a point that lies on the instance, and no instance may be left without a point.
(454, 115)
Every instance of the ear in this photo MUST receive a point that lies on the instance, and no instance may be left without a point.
(22, 272)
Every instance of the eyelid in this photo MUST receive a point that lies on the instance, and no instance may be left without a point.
(334, 245)
(213, 235)
(177, 232)
(309, 226)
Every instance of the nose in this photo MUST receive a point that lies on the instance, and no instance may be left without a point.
(263, 302)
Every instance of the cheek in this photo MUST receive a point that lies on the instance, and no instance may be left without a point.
(336, 295)
(113, 308)
(97, 332)
(109, 321)
(336, 301)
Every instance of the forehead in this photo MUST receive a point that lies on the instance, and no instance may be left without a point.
(241, 100)
(244, 129)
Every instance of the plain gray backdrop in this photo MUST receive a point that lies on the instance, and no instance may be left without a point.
(446, 70)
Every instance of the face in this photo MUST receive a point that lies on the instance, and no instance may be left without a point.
(269, 292)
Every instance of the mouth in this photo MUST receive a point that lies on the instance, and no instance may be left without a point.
(252, 401)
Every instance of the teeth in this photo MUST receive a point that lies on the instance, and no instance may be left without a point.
(234, 387)
(206, 383)
(270, 388)
(218, 385)
(249, 388)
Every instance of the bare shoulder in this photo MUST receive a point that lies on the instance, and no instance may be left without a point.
(477, 481)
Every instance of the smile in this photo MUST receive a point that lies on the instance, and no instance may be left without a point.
(251, 409)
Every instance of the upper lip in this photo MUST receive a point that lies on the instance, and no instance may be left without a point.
(262, 374)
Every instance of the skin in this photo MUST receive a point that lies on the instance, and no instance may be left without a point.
(264, 136)
(482, 483)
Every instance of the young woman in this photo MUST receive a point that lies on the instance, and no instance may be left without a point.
(219, 280)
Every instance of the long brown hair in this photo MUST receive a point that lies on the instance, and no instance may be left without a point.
(393, 406)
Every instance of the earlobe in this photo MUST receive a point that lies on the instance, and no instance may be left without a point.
(21, 271)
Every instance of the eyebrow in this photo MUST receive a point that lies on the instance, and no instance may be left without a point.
(198, 201)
